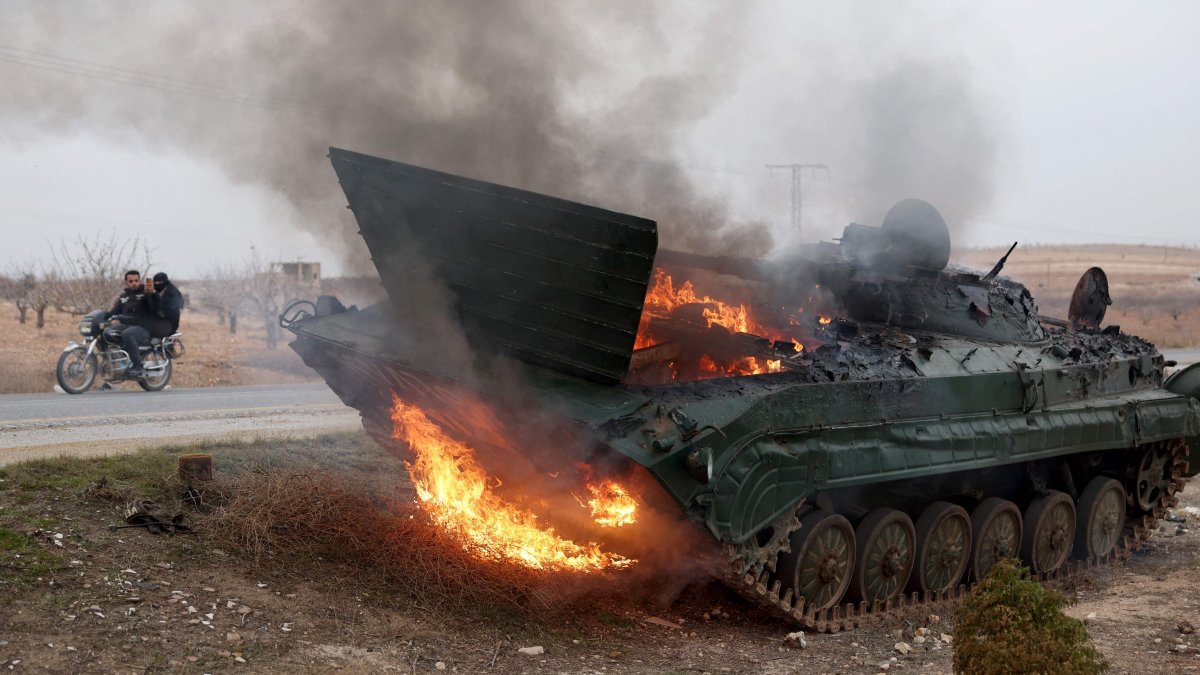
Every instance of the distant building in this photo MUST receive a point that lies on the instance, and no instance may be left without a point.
(304, 272)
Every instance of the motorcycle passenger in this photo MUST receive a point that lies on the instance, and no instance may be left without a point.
(156, 314)
(164, 302)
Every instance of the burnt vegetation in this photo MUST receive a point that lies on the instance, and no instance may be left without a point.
(281, 520)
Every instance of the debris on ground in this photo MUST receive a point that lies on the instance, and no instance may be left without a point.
(795, 640)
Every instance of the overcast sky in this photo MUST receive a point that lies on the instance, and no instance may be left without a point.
(1031, 121)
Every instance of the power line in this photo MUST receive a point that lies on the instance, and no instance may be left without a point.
(174, 85)
(798, 188)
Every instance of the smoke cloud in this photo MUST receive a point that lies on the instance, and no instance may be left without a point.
(588, 101)
(561, 98)
(926, 135)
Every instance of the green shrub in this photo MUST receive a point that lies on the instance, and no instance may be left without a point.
(1011, 624)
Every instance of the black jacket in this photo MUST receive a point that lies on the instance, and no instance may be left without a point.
(130, 302)
(163, 310)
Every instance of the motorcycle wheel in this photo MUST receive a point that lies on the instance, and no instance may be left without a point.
(76, 371)
(155, 380)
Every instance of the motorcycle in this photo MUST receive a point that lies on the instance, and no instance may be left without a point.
(101, 354)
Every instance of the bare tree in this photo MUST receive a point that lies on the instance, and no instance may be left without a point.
(269, 290)
(7, 288)
(28, 290)
(254, 287)
(87, 272)
(17, 287)
(223, 290)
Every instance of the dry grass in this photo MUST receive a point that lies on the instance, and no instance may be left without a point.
(1151, 287)
(214, 357)
(284, 521)
(336, 507)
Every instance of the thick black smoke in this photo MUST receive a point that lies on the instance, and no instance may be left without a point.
(557, 97)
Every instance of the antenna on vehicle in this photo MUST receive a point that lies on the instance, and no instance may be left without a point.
(999, 264)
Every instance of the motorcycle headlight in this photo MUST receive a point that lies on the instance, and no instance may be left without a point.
(85, 328)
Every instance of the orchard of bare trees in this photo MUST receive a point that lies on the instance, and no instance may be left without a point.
(86, 274)
(79, 276)
(252, 288)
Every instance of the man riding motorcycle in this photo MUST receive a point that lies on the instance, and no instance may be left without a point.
(132, 292)
(123, 350)
(133, 311)
(152, 311)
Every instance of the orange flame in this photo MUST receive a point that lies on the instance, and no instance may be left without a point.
(747, 365)
(824, 321)
(663, 298)
(611, 505)
(457, 493)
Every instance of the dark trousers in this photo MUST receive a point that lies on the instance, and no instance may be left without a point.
(131, 337)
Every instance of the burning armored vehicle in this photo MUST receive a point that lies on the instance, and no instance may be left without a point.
(871, 429)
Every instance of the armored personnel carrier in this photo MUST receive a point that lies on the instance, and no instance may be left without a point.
(895, 426)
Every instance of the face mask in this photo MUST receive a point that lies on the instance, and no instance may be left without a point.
(159, 285)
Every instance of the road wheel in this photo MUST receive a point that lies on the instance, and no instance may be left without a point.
(943, 547)
(156, 377)
(884, 556)
(1100, 519)
(1153, 477)
(76, 371)
(996, 524)
(1049, 531)
(822, 557)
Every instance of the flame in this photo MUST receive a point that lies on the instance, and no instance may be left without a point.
(611, 505)
(747, 365)
(663, 298)
(458, 494)
(824, 320)
(751, 366)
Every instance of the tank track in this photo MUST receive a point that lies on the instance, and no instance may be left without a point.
(761, 592)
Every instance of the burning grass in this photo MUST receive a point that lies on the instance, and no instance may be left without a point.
(283, 520)
(335, 511)
(458, 495)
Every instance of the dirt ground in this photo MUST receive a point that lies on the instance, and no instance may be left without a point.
(78, 596)
(214, 357)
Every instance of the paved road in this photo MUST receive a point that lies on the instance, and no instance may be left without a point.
(132, 401)
(39, 425)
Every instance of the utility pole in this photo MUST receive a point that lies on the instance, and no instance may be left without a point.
(797, 188)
